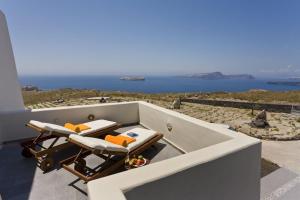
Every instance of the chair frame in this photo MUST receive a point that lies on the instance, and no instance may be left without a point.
(44, 155)
(78, 159)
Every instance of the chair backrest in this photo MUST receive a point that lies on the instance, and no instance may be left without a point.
(51, 127)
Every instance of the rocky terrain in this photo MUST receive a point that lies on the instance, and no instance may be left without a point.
(283, 126)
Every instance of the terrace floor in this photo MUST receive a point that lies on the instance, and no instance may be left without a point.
(20, 178)
(281, 184)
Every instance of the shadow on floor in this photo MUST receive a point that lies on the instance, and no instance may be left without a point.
(154, 150)
(16, 173)
(21, 179)
(24, 180)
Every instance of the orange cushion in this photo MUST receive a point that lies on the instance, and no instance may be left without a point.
(77, 128)
(82, 127)
(70, 126)
(120, 140)
(115, 140)
(128, 139)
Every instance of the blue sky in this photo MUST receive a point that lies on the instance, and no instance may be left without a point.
(155, 37)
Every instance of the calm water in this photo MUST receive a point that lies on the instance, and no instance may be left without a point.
(151, 84)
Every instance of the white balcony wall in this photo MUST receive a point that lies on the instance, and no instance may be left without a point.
(235, 176)
(12, 124)
(189, 134)
(220, 164)
(229, 170)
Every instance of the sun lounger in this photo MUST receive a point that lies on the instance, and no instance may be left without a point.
(114, 155)
(52, 133)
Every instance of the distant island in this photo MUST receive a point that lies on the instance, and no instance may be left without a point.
(132, 78)
(30, 88)
(289, 83)
(218, 76)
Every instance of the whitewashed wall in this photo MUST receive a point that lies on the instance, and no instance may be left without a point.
(235, 176)
(12, 124)
(10, 92)
(189, 134)
(219, 164)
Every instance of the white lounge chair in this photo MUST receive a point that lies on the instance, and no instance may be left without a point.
(48, 131)
(107, 150)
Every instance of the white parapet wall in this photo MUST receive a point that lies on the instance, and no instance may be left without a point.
(11, 97)
(219, 164)
(12, 124)
(186, 132)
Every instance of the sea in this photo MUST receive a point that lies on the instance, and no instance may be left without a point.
(151, 84)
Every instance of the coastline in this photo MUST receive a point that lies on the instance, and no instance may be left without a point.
(152, 84)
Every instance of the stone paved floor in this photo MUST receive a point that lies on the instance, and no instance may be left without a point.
(284, 153)
(20, 179)
(284, 183)
(281, 184)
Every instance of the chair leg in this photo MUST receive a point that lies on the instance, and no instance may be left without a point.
(46, 163)
(27, 145)
(80, 165)
(26, 152)
(79, 162)
(53, 143)
(44, 156)
(109, 170)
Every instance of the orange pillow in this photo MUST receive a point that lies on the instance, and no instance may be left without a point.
(128, 139)
(77, 128)
(116, 140)
(70, 126)
(119, 140)
(82, 127)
